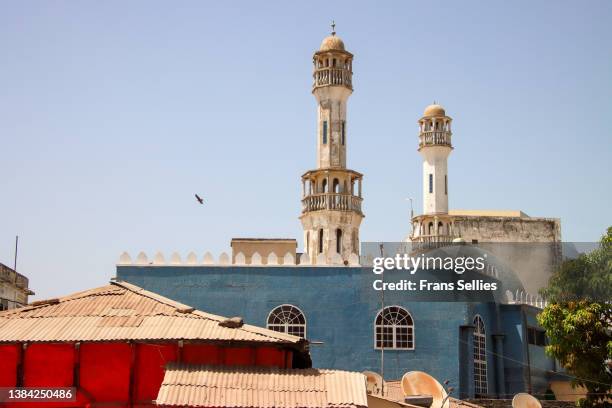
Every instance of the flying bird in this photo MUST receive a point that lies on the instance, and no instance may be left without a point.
(200, 199)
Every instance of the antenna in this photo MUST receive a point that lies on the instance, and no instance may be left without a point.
(382, 308)
(16, 247)
(524, 400)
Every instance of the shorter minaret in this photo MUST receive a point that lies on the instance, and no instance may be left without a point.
(435, 147)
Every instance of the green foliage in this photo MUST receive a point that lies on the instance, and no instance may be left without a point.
(578, 322)
(588, 277)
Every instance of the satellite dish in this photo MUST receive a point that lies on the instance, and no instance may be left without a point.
(420, 383)
(374, 383)
(524, 400)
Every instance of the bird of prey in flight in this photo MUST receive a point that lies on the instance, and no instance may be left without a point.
(200, 199)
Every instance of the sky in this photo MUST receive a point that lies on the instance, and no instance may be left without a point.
(113, 114)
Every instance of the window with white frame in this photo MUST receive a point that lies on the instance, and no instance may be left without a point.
(287, 319)
(394, 329)
(480, 357)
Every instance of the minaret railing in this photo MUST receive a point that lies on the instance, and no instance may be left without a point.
(331, 201)
(435, 138)
(332, 76)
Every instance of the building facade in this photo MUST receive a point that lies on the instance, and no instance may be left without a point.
(14, 290)
(438, 224)
(324, 295)
(337, 310)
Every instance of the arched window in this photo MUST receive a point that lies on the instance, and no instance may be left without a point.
(324, 186)
(339, 241)
(430, 232)
(287, 319)
(440, 228)
(480, 357)
(321, 241)
(336, 186)
(394, 329)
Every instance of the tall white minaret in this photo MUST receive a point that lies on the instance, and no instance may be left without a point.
(331, 194)
(435, 147)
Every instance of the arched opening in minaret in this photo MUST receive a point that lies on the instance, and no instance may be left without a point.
(339, 241)
(321, 241)
(440, 228)
(336, 186)
(430, 228)
(324, 186)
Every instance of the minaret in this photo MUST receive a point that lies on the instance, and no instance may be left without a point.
(331, 194)
(435, 146)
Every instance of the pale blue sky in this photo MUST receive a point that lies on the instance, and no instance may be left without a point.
(113, 114)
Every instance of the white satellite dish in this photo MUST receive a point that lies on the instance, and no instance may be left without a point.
(374, 383)
(524, 400)
(420, 383)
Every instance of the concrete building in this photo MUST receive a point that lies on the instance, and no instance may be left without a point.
(14, 290)
(490, 347)
(439, 225)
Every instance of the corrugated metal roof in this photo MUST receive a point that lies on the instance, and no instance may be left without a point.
(260, 387)
(122, 311)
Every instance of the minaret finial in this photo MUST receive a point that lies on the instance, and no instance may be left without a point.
(333, 26)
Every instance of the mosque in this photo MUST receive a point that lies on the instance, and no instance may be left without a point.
(484, 348)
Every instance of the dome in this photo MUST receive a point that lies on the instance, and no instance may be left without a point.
(332, 42)
(434, 110)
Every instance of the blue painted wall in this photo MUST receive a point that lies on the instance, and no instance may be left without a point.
(340, 307)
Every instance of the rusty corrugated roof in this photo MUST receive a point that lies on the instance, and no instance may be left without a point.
(122, 311)
(261, 387)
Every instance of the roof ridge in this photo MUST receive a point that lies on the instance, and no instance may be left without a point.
(180, 307)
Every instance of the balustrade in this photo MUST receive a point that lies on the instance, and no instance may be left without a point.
(434, 138)
(332, 76)
(331, 201)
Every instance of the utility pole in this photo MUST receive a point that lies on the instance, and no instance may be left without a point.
(382, 334)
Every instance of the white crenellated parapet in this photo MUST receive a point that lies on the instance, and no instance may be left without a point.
(256, 259)
(208, 259)
(141, 259)
(192, 258)
(175, 259)
(288, 259)
(304, 259)
(239, 259)
(224, 259)
(159, 259)
(272, 259)
(125, 259)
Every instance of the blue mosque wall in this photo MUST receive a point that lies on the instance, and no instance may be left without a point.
(340, 308)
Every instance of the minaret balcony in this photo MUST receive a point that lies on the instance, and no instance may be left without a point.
(332, 76)
(331, 201)
(435, 138)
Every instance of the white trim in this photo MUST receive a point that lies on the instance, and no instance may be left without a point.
(483, 363)
(287, 325)
(412, 326)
